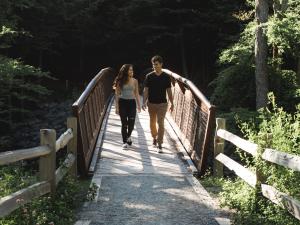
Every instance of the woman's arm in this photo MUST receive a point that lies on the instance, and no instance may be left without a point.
(137, 95)
(117, 94)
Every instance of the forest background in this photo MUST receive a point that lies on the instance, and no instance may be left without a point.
(49, 50)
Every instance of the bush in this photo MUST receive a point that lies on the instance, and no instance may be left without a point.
(44, 210)
(20, 90)
(252, 208)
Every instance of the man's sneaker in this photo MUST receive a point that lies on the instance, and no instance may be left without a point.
(154, 142)
(124, 146)
(159, 148)
(129, 142)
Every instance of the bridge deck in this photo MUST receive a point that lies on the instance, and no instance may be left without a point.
(141, 186)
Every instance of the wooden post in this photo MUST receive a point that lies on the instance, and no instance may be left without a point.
(47, 164)
(72, 145)
(260, 177)
(218, 147)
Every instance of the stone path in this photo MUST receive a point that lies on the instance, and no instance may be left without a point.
(140, 186)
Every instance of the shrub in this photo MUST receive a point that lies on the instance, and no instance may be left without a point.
(252, 207)
(45, 210)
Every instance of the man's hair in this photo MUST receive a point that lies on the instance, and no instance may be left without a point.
(157, 58)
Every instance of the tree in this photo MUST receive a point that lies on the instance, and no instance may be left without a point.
(284, 32)
(261, 50)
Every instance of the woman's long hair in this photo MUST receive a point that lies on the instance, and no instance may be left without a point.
(122, 77)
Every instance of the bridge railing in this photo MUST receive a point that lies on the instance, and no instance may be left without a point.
(89, 109)
(49, 176)
(255, 179)
(193, 118)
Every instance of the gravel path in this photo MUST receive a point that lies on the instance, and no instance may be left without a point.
(140, 186)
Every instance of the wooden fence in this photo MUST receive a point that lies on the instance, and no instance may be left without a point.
(49, 176)
(89, 110)
(193, 117)
(255, 179)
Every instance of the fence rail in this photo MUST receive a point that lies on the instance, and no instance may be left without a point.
(193, 118)
(89, 110)
(49, 176)
(254, 179)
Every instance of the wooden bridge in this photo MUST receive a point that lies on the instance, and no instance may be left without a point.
(136, 186)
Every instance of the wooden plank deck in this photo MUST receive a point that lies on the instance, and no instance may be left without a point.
(141, 186)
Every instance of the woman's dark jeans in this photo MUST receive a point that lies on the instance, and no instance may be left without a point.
(127, 111)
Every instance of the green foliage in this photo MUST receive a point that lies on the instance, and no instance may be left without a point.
(92, 192)
(283, 83)
(14, 178)
(285, 130)
(242, 50)
(235, 84)
(251, 207)
(20, 90)
(44, 210)
(235, 87)
(284, 29)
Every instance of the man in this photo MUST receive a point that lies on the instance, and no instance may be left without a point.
(156, 85)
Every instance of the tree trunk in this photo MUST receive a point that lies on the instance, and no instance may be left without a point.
(261, 48)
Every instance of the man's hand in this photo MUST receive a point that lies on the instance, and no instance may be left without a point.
(144, 106)
(117, 111)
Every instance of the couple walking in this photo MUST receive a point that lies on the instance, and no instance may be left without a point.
(156, 85)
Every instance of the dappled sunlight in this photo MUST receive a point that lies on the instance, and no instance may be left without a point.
(138, 184)
(138, 206)
(139, 158)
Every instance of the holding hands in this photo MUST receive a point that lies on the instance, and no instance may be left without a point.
(172, 107)
(144, 107)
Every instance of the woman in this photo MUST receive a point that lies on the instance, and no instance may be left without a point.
(127, 100)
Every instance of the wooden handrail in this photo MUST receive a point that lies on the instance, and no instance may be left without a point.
(64, 139)
(282, 158)
(289, 161)
(29, 153)
(192, 119)
(191, 86)
(239, 170)
(239, 142)
(92, 84)
(89, 109)
(282, 199)
(48, 180)
(13, 201)
(64, 168)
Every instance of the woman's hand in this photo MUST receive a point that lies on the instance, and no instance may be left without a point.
(139, 109)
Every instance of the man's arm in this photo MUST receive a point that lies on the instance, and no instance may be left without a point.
(169, 92)
(145, 97)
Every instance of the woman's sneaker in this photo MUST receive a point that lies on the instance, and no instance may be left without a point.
(124, 146)
(129, 142)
